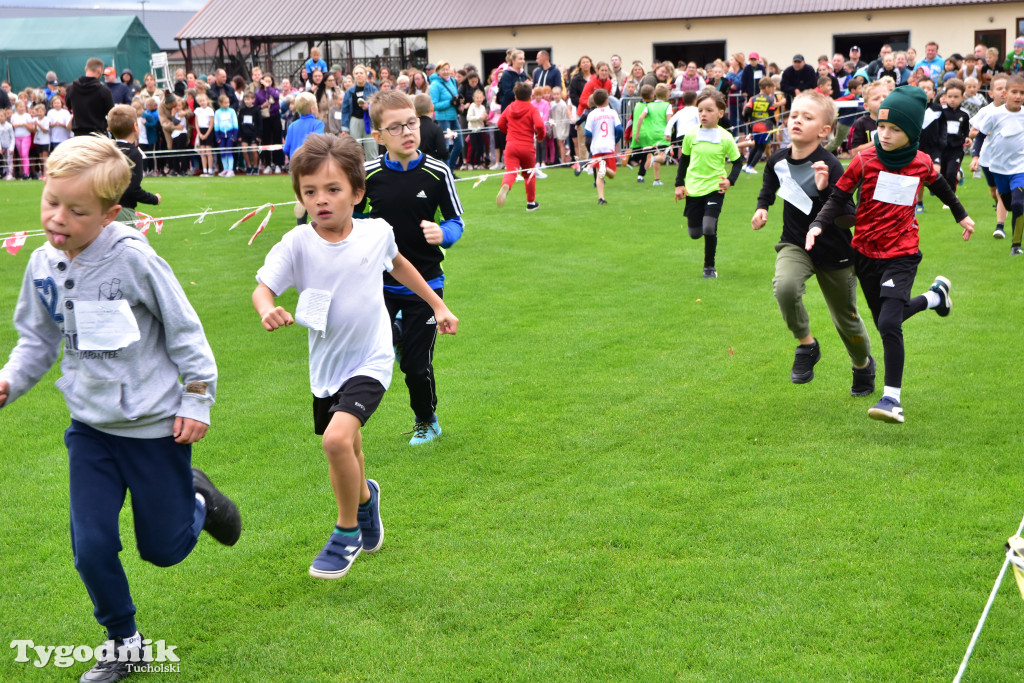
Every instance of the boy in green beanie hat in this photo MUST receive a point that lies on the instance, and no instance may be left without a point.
(885, 239)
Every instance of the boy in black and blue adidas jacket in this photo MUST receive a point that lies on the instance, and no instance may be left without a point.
(415, 193)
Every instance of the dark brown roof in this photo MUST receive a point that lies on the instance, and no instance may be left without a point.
(282, 19)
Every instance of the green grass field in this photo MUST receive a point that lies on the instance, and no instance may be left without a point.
(628, 486)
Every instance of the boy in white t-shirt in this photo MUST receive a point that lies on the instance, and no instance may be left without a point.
(337, 263)
(1003, 128)
(603, 129)
(59, 119)
(41, 138)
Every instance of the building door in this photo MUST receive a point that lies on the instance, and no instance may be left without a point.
(702, 53)
(993, 37)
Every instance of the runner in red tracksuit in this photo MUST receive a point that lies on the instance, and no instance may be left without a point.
(523, 127)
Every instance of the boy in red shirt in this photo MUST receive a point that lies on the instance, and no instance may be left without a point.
(885, 239)
(520, 123)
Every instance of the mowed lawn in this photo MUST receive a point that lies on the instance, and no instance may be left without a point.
(628, 487)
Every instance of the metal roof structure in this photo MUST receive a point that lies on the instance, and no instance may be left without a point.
(274, 19)
(161, 24)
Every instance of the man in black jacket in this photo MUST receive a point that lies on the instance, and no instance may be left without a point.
(89, 100)
(797, 78)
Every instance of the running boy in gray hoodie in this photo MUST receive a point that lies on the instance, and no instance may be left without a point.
(129, 333)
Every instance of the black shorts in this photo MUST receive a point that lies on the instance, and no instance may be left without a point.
(248, 139)
(886, 278)
(705, 206)
(359, 396)
(208, 142)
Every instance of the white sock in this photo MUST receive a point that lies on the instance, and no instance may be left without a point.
(933, 298)
(892, 392)
(200, 498)
(133, 641)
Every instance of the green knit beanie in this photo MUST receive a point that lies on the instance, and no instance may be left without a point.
(905, 107)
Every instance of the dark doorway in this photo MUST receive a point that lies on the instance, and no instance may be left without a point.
(702, 53)
(870, 44)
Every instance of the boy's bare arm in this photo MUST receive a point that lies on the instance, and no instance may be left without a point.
(406, 273)
(271, 316)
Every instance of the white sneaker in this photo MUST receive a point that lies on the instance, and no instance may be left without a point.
(277, 169)
(222, 173)
(588, 170)
(657, 183)
(541, 174)
(267, 170)
(602, 169)
(496, 166)
(229, 174)
(748, 169)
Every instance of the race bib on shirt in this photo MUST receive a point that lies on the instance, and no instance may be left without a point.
(247, 120)
(893, 188)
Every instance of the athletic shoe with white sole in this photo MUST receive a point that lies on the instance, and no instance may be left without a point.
(999, 233)
(370, 524)
(887, 410)
(941, 286)
(532, 206)
(710, 273)
(1016, 250)
(657, 183)
(337, 556)
(114, 663)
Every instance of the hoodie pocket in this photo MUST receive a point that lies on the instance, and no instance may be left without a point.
(94, 401)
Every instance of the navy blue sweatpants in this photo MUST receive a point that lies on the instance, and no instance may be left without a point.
(167, 515)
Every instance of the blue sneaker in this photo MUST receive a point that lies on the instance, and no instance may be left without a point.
(941, 286)
(425, 432)
(887, 410)
(337, 557)
(919, 209)
(370, 525)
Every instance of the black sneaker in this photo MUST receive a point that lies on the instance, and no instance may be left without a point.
(601, 202)
(710, 273)
(116, 664)
(803, 363)
(864, 379)
(532, 206)
(222, 519)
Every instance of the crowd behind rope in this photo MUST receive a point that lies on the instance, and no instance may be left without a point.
(180, 128)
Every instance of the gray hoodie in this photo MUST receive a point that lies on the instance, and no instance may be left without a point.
(133, 391)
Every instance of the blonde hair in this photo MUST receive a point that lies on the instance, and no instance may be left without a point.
(888, 82)
(96, 159)
(873, 86)
(826, 105)
(304, 103)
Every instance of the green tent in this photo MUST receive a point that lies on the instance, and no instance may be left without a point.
(30, 47)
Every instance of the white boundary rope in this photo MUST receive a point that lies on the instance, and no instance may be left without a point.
(984, 614)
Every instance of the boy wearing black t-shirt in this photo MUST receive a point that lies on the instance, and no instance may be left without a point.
(804, 175)
(415, 193)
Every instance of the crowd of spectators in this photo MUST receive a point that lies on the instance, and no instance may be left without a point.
(463, 101)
